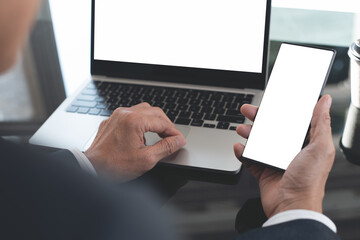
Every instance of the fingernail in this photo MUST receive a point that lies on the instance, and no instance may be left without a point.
(328, 101)
(180, 141)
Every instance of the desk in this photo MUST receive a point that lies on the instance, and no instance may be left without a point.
(208, 210)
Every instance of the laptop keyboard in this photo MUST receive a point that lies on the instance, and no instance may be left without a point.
(209, 109)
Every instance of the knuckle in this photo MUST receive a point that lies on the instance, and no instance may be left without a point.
(326, 117)
(331, 152)
(145, 104)
(158, 111)
(118, 112)
(149, 160)
(169, 146)
(131, 119)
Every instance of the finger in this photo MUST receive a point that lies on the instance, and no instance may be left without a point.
(321, 121)
(161, 114)
(254, 169)
(155, 112)
(102, 127)
(160, 125)
(238, 149)
(249, 111)
(166, 147)
(244, 130)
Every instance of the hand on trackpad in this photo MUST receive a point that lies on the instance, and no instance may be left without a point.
(152, 138)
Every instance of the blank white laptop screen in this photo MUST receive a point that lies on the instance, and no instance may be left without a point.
(210, 34)
(286, 109)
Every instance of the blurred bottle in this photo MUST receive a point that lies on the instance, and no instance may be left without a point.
(350, 141)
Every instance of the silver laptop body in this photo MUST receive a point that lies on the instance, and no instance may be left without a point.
(186, 61)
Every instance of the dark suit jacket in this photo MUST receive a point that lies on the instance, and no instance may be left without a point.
(49, 197)
(45, 198)
(298, 229)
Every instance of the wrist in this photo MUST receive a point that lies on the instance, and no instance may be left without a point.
(93, 159)
(304, 203)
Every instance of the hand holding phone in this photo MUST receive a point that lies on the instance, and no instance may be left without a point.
(302, 186)
(285, 112)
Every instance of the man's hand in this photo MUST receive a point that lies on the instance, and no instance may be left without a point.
(120, 149)
(302, 186)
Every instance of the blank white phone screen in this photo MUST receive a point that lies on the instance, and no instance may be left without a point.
(286, 109)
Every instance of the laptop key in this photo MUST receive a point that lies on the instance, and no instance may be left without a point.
(72, 109)
(84, 104)
(173, 113)
(83, 110)
(172, 118)
(88, 98)
(210, 117)
(183, 101)
(182, 107)
(101, 105)
(112, 107)
(106, 113)
(239, 97)
(197, 123)
(207, 110)
(195, 108)
(94, 111)
(223, 125)
(198, 116)
(232, 119)
(209, 125)
(100, 99)
(185, 114)
(219, 111)
(233, 113)
(233, 128)
(183, 121)
(91, 86)
(249, 97)
(92, 92)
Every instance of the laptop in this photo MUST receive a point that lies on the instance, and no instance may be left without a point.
(199, 61)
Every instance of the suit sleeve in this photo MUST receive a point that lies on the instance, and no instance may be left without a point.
(66, 157)
(46, 199)
(297, 229)
(75, 158)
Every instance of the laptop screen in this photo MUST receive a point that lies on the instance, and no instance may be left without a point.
(210, 34)
(203, 42)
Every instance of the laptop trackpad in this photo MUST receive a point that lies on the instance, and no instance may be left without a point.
(152, 138)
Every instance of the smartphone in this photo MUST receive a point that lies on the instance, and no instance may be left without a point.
(285, 112)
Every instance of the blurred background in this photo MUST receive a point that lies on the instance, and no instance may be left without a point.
(56, 60)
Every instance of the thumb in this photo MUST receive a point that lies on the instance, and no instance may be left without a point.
(166, 147)
(320, 123)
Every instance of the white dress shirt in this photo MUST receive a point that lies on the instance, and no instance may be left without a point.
(297, 214)
(83, 161)
(282, 217)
